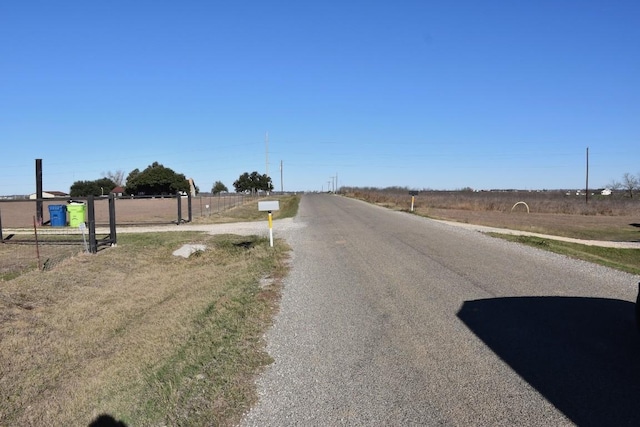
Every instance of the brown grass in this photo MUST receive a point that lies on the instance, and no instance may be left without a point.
(138, 333)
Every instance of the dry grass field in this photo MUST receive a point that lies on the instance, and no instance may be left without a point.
(613, 218)
(136, 333)
(149, 338)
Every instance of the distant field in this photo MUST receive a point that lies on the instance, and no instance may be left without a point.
(19, 214)
(614, 218)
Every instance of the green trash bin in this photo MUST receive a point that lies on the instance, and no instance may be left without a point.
(76, 214)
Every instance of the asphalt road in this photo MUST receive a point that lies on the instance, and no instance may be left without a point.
(392, 319)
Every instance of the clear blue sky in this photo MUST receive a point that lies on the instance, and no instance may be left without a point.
(424, 94)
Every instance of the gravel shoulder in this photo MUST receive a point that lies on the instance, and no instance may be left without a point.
(243, 228)
(485, 229)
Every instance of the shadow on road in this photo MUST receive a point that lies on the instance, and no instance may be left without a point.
(581, 354)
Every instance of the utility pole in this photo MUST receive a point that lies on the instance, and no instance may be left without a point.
(266, 143)
(281, 180)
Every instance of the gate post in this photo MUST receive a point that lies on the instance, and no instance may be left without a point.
(91, 216)
(179, 199)
(112, 219)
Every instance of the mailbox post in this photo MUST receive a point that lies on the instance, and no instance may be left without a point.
(413, 198)
(269, 206)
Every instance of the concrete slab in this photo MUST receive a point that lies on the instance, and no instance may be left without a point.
(186, 250)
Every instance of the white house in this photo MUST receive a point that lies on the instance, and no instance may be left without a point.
(48, 195)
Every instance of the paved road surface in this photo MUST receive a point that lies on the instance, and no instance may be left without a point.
(391, 319)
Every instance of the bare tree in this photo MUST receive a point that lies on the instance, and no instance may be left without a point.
(615, 185)
(117, 177)
(630, 183)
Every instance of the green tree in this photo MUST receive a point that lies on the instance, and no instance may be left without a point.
(218, 187)
(133, 175)
(156, 180)
(99, 187)
(253, 183)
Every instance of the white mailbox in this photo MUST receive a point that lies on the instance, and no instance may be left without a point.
(269, 206)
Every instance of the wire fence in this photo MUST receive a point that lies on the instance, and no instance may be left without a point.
(41, 240)
(209, 205)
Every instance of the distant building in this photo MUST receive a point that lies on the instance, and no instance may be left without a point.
(49, 195)
(117, 191)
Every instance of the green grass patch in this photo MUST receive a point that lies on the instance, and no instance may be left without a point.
(288, 207)
(249, 210)
(207, 379)
(627, 260)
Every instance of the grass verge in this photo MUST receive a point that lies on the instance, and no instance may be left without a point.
(248, 211)
(137, 333)
(621, 259)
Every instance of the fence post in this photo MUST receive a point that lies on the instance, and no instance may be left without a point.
(179, 208)
(112, 219)
(39, 209)
(91, 216)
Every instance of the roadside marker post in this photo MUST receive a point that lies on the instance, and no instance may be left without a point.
(413, 198)
(269, 206)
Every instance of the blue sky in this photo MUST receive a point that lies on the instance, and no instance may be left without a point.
(423, 94)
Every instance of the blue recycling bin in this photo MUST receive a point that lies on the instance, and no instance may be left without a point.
(58, 214)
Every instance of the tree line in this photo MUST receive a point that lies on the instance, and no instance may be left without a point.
(157, 180)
